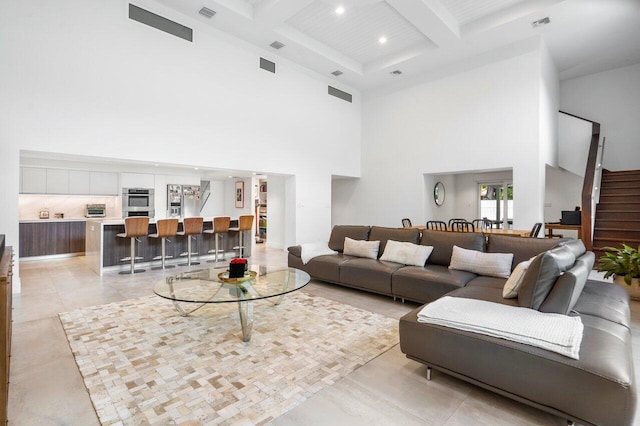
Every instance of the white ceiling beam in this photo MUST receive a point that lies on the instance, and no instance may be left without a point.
(319, 48)
(431, 18)
(276, 12)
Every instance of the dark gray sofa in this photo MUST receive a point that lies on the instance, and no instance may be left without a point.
(597, 389)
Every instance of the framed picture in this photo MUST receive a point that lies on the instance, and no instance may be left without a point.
(240, 195)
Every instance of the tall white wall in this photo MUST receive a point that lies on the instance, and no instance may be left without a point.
(84, 79)
(483, 119)
(611, 98)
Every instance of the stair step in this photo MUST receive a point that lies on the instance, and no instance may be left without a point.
(606, 186)
(626, 206)
(608, 242)
(631, 224)
(616, 233)
(618, 198)
(626, 192)
(613, 179)
(621, 172)
(616, 214)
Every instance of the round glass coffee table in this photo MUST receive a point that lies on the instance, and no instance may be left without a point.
(213, 285)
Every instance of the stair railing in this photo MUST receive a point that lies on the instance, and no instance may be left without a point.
(592, 181)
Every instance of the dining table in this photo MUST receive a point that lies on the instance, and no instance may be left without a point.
(499, 231)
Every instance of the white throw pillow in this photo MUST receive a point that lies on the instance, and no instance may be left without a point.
(406, 253)
(310, 250)
(361, 248)
(488, 264)
(511, 287)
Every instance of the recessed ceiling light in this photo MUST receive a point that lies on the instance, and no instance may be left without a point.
(339, 10)
(539, 22)
(382, 40)
(206, 12)
(196, 168)
(337, 73)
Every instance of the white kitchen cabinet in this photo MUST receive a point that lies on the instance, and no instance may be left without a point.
(137, 180)
(33, 180)
(79, 182)
(103, 183)
(57, 181)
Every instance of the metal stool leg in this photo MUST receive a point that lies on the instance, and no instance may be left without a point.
(132, 261)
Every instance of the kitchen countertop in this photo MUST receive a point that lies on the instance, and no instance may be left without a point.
(79, 219)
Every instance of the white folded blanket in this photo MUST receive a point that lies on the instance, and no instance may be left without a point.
(554, 332)
(310, 250)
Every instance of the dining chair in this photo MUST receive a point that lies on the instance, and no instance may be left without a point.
(535, 230)
(406, 223)
(460, 226)
(437, 225)
(479, 223)
(451, 221)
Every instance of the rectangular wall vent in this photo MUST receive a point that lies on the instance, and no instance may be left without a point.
(163, 24)
(340, 94)
(267, 65)
(206, 12)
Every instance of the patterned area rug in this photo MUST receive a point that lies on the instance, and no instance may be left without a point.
(144, 364)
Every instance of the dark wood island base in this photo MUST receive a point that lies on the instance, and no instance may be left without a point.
(104, 250)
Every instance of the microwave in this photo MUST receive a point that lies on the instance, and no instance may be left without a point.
(95, 210)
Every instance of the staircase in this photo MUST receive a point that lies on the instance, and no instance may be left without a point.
(617, 218)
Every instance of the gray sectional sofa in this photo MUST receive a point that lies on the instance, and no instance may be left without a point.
(597, 389)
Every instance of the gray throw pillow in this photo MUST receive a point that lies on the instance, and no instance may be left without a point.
(542, 275)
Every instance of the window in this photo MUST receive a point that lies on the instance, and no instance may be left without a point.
(494, 205)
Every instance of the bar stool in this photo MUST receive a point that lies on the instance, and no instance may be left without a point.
(134, 227)
(191, 226)
(220, 226)
(165, 228)
(245, 223)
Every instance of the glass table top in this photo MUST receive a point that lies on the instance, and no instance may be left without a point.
(212, 285)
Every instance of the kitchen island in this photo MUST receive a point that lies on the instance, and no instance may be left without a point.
(103, 249)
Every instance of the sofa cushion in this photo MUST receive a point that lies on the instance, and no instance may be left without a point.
(369, 274)
(361, 248)
(443, 242)
(522, 248)
(568, 287)
(512, 286)
(406, 253)
(542, 274)
(383, 234)
(324, 268)
(425, 284)
(489, 264)
(604, 300)
(491, 282)
(339, 232)
(575, 245)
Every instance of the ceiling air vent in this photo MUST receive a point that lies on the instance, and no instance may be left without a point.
(396, 72)
(267, 65)
(540, 22)
(158, 22)
(206, 12)
(337, 73)
(277, 45)
(340, 94)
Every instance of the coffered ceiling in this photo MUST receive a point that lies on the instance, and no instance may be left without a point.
(367, 40)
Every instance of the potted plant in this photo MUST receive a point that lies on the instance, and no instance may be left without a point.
(624, 264)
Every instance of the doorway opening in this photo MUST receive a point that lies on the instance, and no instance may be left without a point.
(496, 203)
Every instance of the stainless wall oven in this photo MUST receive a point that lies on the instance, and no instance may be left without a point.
(137, 202)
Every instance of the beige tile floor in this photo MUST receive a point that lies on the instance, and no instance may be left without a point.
(47, 389)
